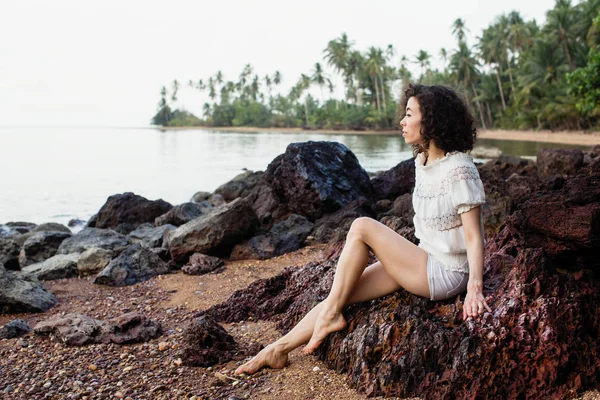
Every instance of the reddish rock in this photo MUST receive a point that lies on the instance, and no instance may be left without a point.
(396, 181)
(200, 264)
(558, 162)
(206, 343)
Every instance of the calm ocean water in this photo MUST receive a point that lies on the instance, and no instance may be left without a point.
(57, 174)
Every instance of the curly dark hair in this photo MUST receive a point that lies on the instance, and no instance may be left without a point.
(445, 118)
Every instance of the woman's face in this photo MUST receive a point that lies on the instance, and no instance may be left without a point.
(411, 123)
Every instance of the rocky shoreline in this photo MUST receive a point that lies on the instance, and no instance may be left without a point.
(104, 324)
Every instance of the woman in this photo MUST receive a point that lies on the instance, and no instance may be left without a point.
(447, 198)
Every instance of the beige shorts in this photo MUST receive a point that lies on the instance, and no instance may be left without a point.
(444, 284)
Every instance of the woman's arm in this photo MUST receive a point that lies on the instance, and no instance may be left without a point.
(475, 303)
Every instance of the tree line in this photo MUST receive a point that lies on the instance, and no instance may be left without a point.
(517, 75)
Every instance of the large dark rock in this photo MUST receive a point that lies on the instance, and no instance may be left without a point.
(19, 294)
(58, 266)
(214, 234)
(206, 343)
(136, 264)
(240, 186)
(335, 226)
(20, 226)
(182, 213)
(539, 341)
(266, 205)
(316, 178)
(79, 330)
(200, 264)
(287, 236)
(15, 328)
(40, 246)
(125, 212)
(89, 238)
(9, 253)
(558, 162)
(150, 236)
(396, 181)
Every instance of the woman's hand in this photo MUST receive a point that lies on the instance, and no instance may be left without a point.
(475, 303)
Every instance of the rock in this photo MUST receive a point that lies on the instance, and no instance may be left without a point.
(199, 197)
(56, 267)
(200, 264)
(403, 207)
(51, 227)
(149, 236)
(75, 222)
(9, 253)
(79, 330)
(216, 200)
(206, 343)
(40, 246)
(15, 328)
(20, 294)
(266, 204)
(93, 260)
(284, 237)
(334, 227)
(396, 181)
(214, 234)
(317, 178)
(240, 186)
(125, 212)
(131, 328)
(135, 264)
(486, 152)
(89, 238)
(181, 214)
(20, 226)
(558, 162)
(520, 188)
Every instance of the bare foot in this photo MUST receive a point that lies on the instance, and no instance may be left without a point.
(327, 322)
(267, 357)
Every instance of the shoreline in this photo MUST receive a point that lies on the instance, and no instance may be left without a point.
(561, 137)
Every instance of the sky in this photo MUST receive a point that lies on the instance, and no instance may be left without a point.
(103, 63)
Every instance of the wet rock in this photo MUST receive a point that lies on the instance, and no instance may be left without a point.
(9, 253)
(181, 214)
(206, 343)
(93, 260)
(14, 329)
(558, 162)
(125, 212)
(89, 238)
(51, 227)
(316, 178)
(20, 294)
(40, 246)
(396, 181)
(131, 328)
(135, 264)
(216, 200)
(20, 226)
(335, 226)
(56, 267)
(199, 197)
(150, 236)
(200, 264)
(75, 222)
(284, 237)
(240, 186)
(214, 234)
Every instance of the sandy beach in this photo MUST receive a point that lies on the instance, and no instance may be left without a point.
(581, 138)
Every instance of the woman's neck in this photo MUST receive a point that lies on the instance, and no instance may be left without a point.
(434, 153)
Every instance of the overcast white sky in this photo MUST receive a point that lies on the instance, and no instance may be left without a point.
(102, 63)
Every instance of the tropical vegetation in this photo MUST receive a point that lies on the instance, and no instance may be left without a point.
(518, 75)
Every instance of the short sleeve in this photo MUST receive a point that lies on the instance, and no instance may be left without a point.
(466, 188)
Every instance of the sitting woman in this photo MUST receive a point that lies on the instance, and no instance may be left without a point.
(446, 199)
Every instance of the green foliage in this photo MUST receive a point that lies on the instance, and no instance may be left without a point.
(162, 117)
(584, 86)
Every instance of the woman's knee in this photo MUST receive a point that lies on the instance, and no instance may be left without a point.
(360, 227)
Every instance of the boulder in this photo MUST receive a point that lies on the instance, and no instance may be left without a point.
(93, 260)
(125, 212)
(317, 178)
(396, 181)
(15, 328)
(135, 264)
(9, 253)
(200, 264)
(89, 238)
(284, 237)
(51, 227)
(199, 197)
(240, 186)
(206, 343)
(20, 294)
(335, 226)
(213, 234)
(266, 204)
(150, 236)
(58, 266)
(558, 162)
(181, 214)
(79, 330)
(20, 226)
(40, 246)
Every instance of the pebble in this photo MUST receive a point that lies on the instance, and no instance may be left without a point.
(316, 369)
(92, 367)
(162, 346)
(127, 369)
(9, 389)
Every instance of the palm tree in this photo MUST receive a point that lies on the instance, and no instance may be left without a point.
(422, 58)
(459, 29)
(464, 67)
(374, 67)
(444, 55)
(277, 78)
(320, 78)
(219, 77)
(175, 86)
(492, 49)
(268, 83)
(562, 24)
(246, 72)
(211, 89)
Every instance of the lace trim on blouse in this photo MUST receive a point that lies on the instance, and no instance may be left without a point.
(460, 173)
(443, 223)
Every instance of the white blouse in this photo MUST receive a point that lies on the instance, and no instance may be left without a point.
(444, 189)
